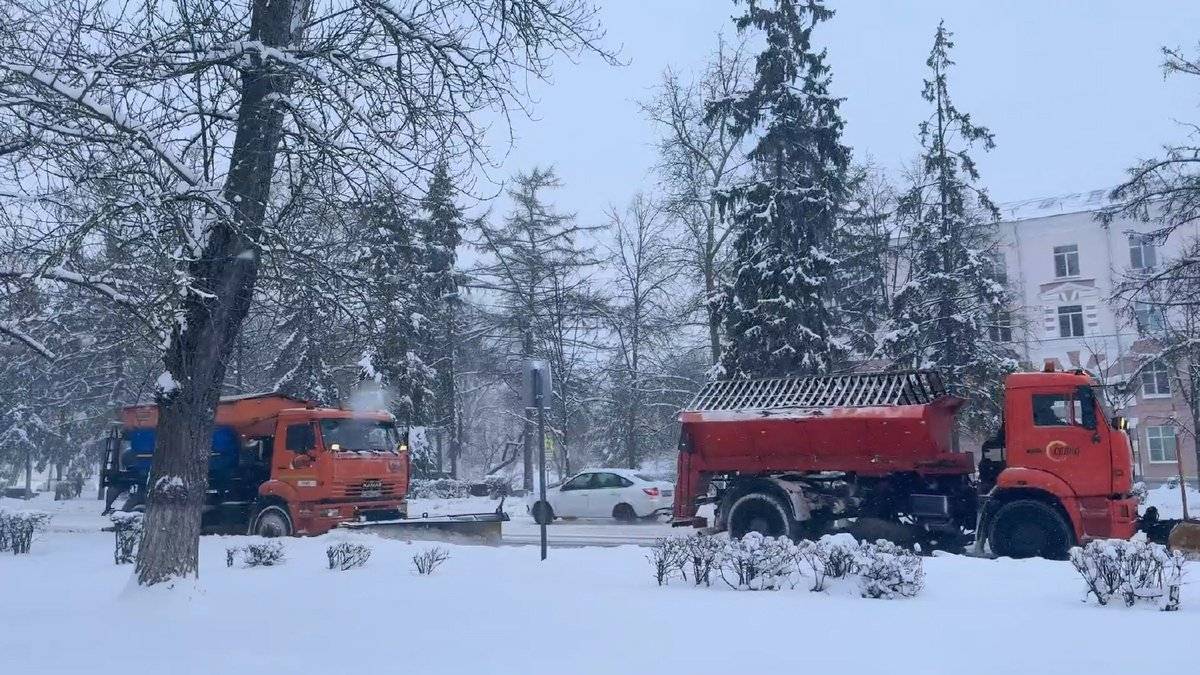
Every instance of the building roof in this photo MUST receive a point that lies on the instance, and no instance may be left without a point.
(1042, 207)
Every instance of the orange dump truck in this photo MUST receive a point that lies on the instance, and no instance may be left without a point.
(802, 456)
(281, 466)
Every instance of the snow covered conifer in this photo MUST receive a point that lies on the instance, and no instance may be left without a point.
(441, 229)
(953, 295)
(775, 318)
(397, 326)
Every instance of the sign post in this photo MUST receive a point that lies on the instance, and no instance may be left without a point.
(538, 387)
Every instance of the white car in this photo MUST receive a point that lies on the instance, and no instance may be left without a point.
(603, 493)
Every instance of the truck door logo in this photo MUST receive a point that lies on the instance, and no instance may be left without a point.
(1060, 451)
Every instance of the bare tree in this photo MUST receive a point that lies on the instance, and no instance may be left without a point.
(1163, 298)
(195, 124)
(535, 272)
(644, 320)
(699, 154)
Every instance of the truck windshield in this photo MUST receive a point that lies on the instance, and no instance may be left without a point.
(360, 435)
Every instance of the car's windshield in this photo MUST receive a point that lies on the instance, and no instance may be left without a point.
(368, 435)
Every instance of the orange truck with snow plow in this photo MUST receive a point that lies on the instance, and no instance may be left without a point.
(278, 466)
(803, 456)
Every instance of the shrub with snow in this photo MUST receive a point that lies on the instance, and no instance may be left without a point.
(265, 554)
(127, 535)
(66, 489)
(347, 556)
(1139, 491)
(498, 486)
(886, 570)
(668, 558)
(834, 556)
(19, 528)
(757, 563)
(438, 488)
(427, 561)
(1134, 571)
(702, 553)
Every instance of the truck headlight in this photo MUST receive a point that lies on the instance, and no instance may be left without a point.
(331, 513)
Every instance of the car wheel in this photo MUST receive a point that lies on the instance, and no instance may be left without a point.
(762, 513)
(272, 521)
(543, 513)
(624, 513)
(1027, 529)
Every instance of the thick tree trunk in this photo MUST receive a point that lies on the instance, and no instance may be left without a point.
(195, 360)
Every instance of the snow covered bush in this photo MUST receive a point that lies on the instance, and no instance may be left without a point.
(498, 486)
(67, 489)
(834, 556)
(757, 563)
(266, 554)
(886, 570)
(19, 528)
(438, 488)
(703, 553)
(1139, 491)
(1135, 571)
(429, 560)
(347, 556)
(668, 557)
(127, 535)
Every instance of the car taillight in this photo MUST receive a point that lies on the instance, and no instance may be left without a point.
(653, 492)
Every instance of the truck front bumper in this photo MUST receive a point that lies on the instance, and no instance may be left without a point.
(321, 517)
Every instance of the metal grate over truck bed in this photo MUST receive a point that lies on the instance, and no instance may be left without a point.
(835, 391)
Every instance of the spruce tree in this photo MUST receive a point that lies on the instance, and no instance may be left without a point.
(775, 315)
(943, 310)
(301, 367)
(441, 230)
(397, 326)
(863, 246)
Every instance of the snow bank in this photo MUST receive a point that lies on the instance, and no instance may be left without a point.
(498, 610)
(1169, 502)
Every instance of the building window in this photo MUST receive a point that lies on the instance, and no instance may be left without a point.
(997, 267)
(1066, 261)
(1000, 329)
(1070, 321)
(1142, 254)
(1156, 380)
(1149, 318)
(1161, 442)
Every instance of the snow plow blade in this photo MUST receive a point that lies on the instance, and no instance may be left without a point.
(458, 528)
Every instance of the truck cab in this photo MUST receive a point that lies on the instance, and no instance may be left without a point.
(278, 465)
(330, 466)
(1061, 472)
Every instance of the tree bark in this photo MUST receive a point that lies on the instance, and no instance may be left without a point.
(227, 271)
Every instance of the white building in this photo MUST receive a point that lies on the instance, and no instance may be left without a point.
(1063, 265)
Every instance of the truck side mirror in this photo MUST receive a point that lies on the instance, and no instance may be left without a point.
(1087, 407)
(1120, 423)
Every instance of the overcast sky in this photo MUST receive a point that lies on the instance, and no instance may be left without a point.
(1073, 90)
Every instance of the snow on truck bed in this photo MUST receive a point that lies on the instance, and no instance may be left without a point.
(68, 609)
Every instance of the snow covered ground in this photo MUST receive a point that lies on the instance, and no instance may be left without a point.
(1170, 503)
(68, 609)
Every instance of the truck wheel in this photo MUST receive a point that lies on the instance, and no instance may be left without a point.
(272, 521)
(624, 513)
(543, 514)
(1025, 528)
(759, 512)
